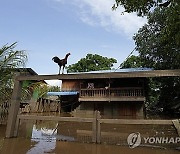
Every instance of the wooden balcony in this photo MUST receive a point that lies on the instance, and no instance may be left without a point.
(112, 94)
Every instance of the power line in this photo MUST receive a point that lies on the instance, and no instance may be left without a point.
(125, 59)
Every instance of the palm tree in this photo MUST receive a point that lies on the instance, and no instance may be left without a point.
(9, 60)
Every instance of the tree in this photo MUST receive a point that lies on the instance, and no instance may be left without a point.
(159, 48)
(92, 63)
(169, 98)
(54, 89)
(158, 44)
(156, 49)
(170, 30)
(143, 7)
(9, 59)
(132, 62)
(158, 41)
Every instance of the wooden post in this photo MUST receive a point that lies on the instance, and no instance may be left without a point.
(39, 105)
(49, 105)
(94, 127)
(16, 127)
(98, 127)
(59, 107)
(14, 108)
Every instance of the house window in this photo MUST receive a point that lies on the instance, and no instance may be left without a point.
(90, 86)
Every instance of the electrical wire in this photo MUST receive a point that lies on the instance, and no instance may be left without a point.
(125, 59)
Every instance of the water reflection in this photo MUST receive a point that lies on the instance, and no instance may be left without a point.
(42, 137)
(45, 135)
(45, 140)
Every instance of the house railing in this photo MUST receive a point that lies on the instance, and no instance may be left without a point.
(116, 92)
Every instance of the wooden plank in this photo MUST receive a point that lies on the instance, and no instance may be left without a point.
(13, 111)
(109, 134)
(84, 132)
(177, 125)
(135, 122)
(112, 98)
(153, 73)
(55, 118)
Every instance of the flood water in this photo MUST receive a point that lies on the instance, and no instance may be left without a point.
(41, 137)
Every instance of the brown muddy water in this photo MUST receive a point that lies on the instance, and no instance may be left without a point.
(41, 137)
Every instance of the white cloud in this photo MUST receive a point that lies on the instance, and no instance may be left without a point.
(99, 13)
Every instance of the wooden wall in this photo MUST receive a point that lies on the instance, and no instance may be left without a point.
(123, 110)
(70, 85)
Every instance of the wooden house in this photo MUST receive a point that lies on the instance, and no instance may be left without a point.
(111, 94)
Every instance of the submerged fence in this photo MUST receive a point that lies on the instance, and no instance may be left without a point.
(110, 131)
(4, 110)
(42, 105)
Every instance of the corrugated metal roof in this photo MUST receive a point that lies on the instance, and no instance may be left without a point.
(117, 70)
(138, 73)
(62, 93)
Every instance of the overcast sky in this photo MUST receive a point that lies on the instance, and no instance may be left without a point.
(48, 28)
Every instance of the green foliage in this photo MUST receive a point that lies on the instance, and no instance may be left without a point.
(132, 62)
(92, 63)
(158, 44)
(39, 90)
(158, 41)
(169, 98)
(54, 89)
(36, 90)
(157, 47)
(152, 93)
(142, 7)
(9, 59)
